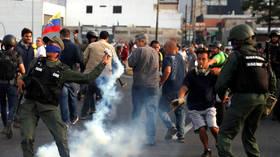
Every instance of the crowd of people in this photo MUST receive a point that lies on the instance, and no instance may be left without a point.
(223, 89)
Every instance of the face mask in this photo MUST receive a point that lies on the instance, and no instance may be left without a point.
(201, 72)
(52, 49)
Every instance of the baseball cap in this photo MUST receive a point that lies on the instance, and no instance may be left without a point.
(55, 39)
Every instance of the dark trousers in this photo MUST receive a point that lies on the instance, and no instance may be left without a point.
(89, 101)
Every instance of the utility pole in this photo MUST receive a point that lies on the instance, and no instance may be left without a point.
(32, 20)
(194, 19)
(186, 17)
(191, 21)
(269, 16)
(157, 19)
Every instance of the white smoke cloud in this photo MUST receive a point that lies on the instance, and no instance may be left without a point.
(97, 139)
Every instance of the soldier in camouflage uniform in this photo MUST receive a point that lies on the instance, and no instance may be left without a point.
(43, 85)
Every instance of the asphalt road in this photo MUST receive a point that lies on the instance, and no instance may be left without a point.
(268, 136)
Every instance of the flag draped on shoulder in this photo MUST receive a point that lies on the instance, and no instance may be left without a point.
(53, 24)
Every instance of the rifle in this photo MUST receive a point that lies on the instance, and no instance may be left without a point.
(16, 116)
(18, 104)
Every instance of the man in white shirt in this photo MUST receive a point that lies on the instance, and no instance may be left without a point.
(41, 51)
(183, 53)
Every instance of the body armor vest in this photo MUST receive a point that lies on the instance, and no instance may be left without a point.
(8, 65)
(252, 74)
(43, 82)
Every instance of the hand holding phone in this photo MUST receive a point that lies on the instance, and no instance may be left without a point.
(109, 52)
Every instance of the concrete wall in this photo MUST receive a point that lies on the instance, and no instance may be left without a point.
(52, 9)
(231, 22)
(164, 34)
(134, 13)
(15, 15)
(58, 2)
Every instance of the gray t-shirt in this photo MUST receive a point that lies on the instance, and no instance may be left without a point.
(145, 64)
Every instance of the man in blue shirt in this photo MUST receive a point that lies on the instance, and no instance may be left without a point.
(68, 101)
(174, 71)
(200, 83)
(25, 47)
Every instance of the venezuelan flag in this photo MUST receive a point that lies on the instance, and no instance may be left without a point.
(53, 24)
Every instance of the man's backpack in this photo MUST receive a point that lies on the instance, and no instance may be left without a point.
(8, 66)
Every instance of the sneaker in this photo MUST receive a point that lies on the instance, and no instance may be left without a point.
(181, 139)
(91, 111)
(171, 132)
(75, 121)
(98, 97)
(84, 117)
(150, 144)
(124, 84)
(207, 153)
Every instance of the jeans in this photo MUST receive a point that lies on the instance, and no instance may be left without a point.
(9, 91)
(89, 101)
(147, 97)
(164, 109)
(68, 103)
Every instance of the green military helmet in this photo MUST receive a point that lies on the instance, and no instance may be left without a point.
(241, 32)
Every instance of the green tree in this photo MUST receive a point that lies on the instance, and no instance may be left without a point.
(261, 9)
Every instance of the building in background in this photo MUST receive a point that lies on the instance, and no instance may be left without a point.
(201, 21)
(130, 13)
(211, 20)
(33, 14)
(123, 18)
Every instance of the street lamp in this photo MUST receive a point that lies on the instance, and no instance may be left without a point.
(269, 15)
(157, 20)
(32, 19)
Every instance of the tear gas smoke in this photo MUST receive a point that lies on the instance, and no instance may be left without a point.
(95, 140)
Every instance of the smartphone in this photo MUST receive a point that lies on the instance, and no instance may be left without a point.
(109, 52)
